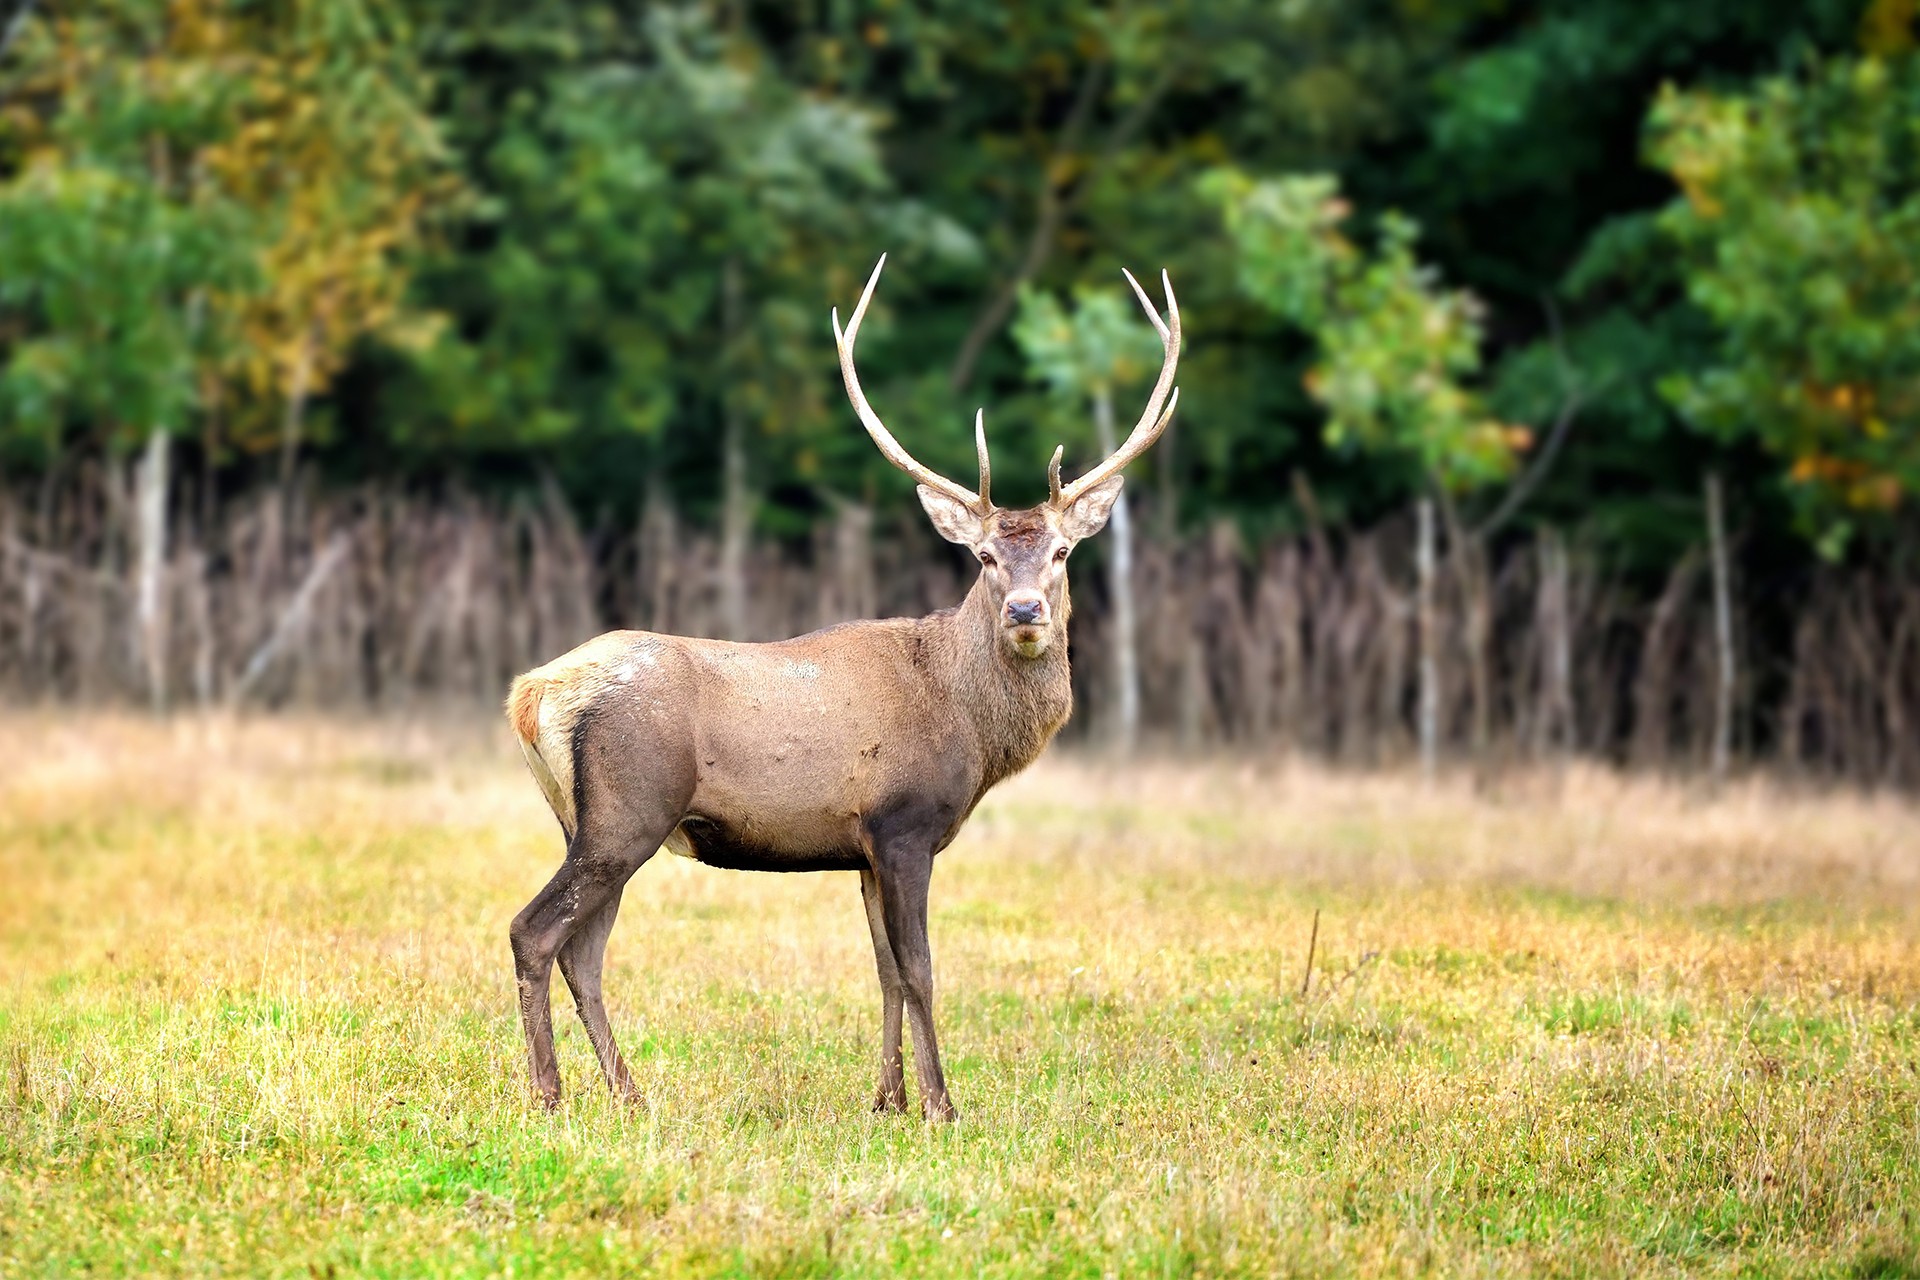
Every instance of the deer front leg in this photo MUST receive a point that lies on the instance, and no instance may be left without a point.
(892, 1094)
(904, 877)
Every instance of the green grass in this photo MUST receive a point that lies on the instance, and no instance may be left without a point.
(256, 1018)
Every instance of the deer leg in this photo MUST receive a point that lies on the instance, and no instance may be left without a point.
(904, 878)
(581, 960)
(536, 935)
(892, 1094)
(599, 863)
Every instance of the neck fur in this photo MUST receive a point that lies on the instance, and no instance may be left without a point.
(1016, 704)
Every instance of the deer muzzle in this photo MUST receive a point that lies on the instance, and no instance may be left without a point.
(1026, 609)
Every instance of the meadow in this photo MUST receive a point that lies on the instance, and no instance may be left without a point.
(256, 1018)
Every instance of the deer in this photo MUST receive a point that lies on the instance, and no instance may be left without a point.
(861, 747)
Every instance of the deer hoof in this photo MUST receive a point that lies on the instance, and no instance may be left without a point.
(890, 1101)
(938, 1110)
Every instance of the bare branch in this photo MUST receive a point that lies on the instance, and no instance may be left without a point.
(1522, 489)
(1574, 398)
(294, 617)
(1052, 208)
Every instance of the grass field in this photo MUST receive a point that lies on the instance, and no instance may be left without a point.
(256, 1018)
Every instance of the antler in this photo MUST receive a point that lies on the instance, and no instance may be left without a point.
(979, 503)
(1152, 423)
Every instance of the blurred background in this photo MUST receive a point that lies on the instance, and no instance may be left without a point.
(1551, 384)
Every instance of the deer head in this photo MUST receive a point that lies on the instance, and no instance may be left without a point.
(1023, 552)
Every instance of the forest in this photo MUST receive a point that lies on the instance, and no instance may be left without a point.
(1551, 380)
(1486, 840)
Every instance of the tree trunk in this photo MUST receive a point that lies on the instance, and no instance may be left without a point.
(293, 619)
(1125, 728)
(1469, 554)
(1893, 692)
(735, 525)
(1193, 691)
(200, 608)
(855, 585)
(1429, 643)
(1653, 684)
(1166, 512)
(1479, 653)
(736, 509)
(1722, 631)
(293, 425)
(1553, 725)
(150, 533)
(659, 556)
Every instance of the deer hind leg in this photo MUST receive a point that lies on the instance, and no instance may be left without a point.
(904, 876)
(631, 794)
(581, 898)
(581, 960)
(892, 1093)
(536, 934)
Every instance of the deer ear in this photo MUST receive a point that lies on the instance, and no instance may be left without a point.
(953, 522)
(1088, 514)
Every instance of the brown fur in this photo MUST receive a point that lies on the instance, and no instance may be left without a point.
(863, 747)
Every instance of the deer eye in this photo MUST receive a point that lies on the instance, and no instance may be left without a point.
(986, 560)
(1060, 556)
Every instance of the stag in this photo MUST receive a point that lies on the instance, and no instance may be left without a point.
(863, 747)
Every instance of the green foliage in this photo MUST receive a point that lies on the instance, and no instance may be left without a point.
(1800, 219)
(207, 216)
(1396, 348)
(109, 285)
(1100, 342)
(1083, 355)
(494, 239)
(110, 251)
(666, 217)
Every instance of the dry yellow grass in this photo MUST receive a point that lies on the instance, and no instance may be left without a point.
(257, 1019)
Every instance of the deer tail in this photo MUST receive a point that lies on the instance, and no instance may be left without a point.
(523, 707)
(555, 775)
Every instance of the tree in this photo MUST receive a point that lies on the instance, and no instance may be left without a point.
(335, 151)
(1395, 350)
(114, 256)
(207, 216)
(213, 213)
(665, 218)
(114, 249)
(1799, 222)
(1081, 354)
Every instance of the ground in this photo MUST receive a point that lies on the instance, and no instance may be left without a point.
(257, 1018)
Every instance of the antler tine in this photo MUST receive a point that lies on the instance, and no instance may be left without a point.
(1146, 303)
(882, 438)
(986, 467)
(1153, 421)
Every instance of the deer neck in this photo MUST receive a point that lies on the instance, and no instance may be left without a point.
(1015, 704)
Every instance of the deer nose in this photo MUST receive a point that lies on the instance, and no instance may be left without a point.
(1025, 611)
